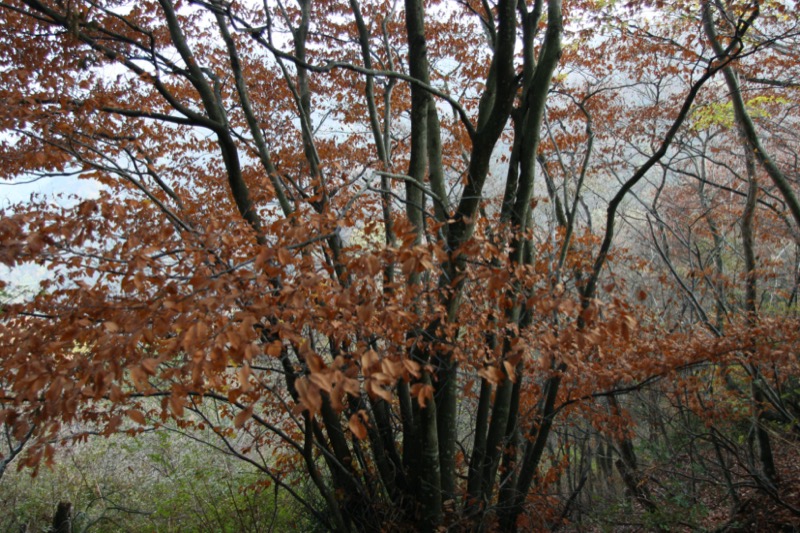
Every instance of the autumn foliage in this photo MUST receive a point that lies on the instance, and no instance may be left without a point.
(448, 260)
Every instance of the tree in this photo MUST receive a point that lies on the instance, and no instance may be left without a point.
(295, 241)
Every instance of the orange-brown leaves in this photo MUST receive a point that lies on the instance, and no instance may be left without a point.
(243, 375)
(309, 395)
(137, 416)
(176, 404)
(357, 424)
(242, 417)
(423, 393)
(139, 378)
(196, 334)
(150, 365)
(160, 299)
(492, 374)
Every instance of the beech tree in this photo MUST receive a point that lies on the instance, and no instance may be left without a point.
(370, 242)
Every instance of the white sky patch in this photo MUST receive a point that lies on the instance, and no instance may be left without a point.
(24, 279)
(56, 188)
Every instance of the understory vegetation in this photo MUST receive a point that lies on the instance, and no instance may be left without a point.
(156, 481)
(693, 472)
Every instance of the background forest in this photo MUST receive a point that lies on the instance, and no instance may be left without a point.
(372, 265)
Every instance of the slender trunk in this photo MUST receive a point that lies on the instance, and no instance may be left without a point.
(628, 467)
(753, 151)
(62, 520)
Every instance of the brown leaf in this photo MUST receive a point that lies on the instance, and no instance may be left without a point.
(150, 365)
(373, 265)
(375, 389)
(323, 381)
(137, 416)
(284, 256)
(368, 360)
(412, 367)
(423, 392)
(139, 378)
(357, 426)
(351, 386)
(394, 369)
(176, 405)
(492, 374)
(274, 348)
(242, 417)
(243, 375)
(509, 367)
(309, 396)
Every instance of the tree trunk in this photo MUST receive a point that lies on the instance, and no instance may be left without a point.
(62, 520)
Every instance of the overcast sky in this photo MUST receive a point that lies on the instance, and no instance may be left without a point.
(29, 275)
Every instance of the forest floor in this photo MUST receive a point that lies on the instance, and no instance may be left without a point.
(779, 511)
